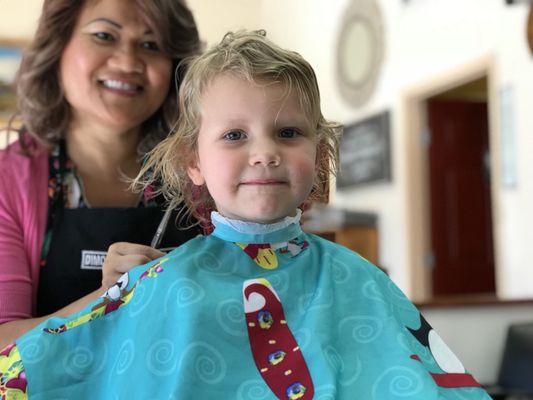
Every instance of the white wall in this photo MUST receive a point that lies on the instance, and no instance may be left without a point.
(18, 18)
(424, 39)
(215, 18)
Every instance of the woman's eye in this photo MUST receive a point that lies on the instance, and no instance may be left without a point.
(103, 36)
(288, 133)
(150, 46)
(234, 135)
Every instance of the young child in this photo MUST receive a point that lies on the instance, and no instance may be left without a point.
(258, 309)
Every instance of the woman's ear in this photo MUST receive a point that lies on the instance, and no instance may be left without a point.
(195, 172)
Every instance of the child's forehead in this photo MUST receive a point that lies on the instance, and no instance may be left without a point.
(228, 94)
(232, 87)
(233, 79)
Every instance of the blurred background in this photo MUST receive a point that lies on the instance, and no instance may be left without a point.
(436, 185)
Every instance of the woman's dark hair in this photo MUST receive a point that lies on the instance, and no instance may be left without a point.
(42, 106)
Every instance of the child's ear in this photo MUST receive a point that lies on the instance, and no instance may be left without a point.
(195, 173)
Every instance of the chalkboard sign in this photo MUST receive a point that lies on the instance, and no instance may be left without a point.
(365, 152)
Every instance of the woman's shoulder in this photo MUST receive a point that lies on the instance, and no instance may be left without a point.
(23, 176)
(15, 162)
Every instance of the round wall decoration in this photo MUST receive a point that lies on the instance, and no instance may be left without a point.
(529, 28)
(360, 49)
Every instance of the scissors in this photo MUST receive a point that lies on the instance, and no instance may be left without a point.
(156, 240)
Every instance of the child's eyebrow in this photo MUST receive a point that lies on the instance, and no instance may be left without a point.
(295, 122)
(234, 122)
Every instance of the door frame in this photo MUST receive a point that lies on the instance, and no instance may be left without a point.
(413, 109)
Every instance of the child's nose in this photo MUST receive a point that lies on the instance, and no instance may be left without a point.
(265, 152)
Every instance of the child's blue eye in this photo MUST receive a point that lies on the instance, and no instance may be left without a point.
(288, 133)
(150, 46)
(234, 135)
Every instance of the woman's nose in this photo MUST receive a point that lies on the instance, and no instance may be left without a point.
(126, 59)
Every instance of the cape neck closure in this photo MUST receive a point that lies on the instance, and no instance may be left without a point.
(233, 230)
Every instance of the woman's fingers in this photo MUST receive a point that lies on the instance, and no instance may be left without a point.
(125, 263)
(123, 256)
(125, 248)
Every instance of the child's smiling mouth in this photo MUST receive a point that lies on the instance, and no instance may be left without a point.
(264, 182)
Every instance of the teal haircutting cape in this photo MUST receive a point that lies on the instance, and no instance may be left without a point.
(243, 313)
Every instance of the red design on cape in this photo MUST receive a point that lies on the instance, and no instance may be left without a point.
(271, 336)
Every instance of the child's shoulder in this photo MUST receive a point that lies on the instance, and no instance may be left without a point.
(338, 252)
(340, 258)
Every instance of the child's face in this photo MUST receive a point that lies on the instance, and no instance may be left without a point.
(256, 150)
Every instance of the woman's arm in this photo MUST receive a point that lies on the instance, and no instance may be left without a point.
(20, 210)
(9, 331)
(16, 282)
(23, 206)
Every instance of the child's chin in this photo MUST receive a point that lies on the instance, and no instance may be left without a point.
(259, 220)
(267, 218)
(268, 221)
(260, 216)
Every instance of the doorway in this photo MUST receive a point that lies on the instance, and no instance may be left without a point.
(459, 183)
(452, 247)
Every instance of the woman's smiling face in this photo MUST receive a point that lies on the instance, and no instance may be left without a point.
(112, 71)
(256, 150)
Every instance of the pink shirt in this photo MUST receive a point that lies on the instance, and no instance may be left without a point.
(23, 213)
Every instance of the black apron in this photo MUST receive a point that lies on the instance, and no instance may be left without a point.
(80, 237)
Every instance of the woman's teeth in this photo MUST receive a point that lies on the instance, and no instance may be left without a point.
(113, 84)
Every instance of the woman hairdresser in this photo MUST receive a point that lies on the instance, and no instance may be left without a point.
(96, 90)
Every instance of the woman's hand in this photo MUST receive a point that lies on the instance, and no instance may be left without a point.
(123, 256)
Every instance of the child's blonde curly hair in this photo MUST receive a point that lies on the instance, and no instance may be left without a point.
(248, 55)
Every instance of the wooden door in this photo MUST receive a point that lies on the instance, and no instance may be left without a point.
(461, 222)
